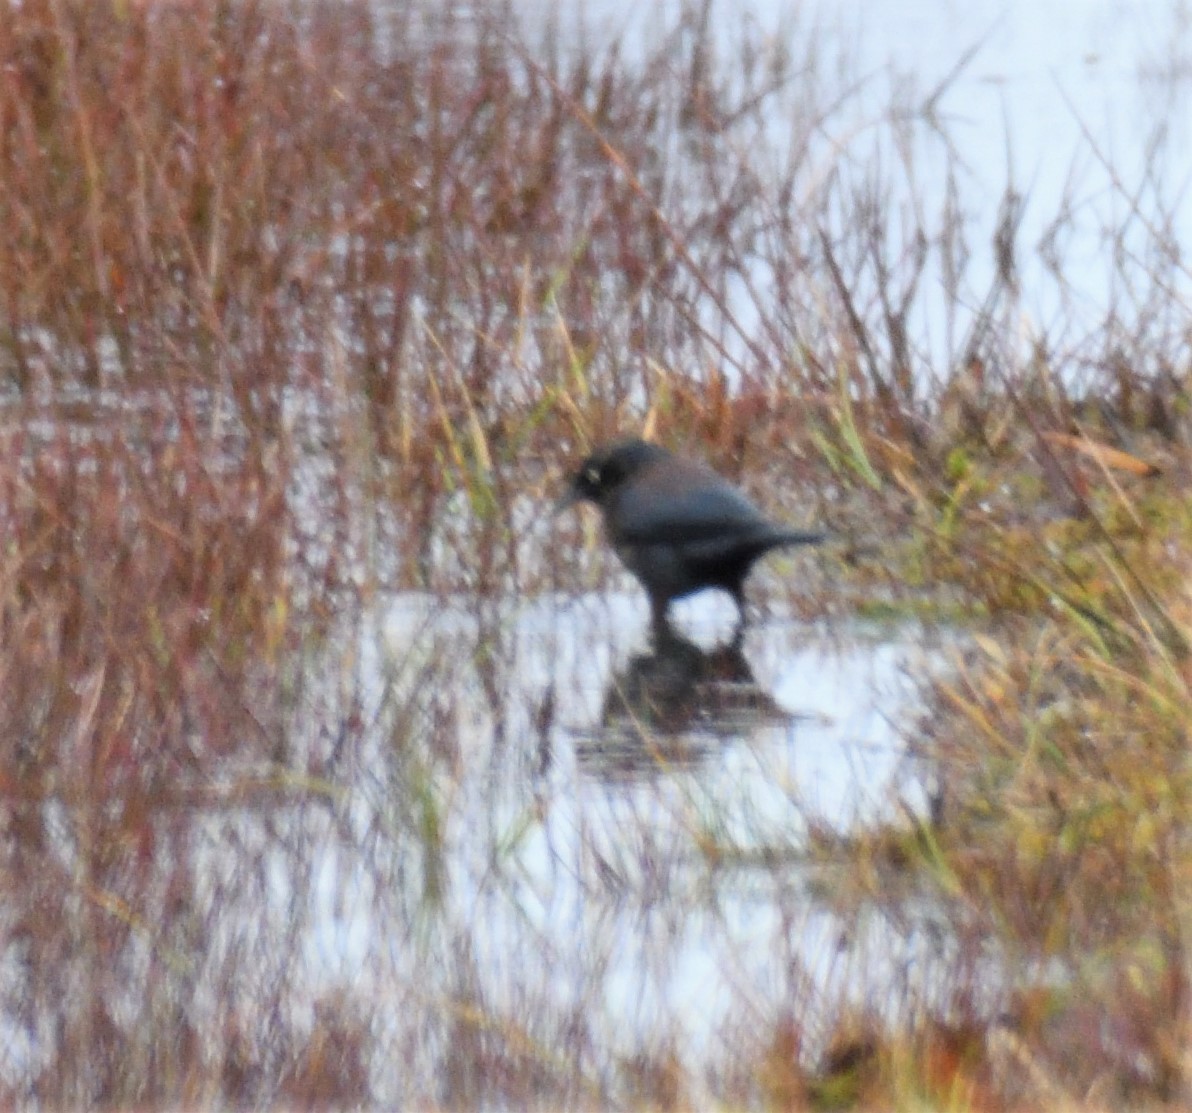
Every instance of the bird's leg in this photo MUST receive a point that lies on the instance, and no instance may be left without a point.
(660, 624)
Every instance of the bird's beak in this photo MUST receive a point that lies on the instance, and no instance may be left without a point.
(568, 499)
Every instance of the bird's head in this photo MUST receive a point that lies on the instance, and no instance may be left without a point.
(603, 473)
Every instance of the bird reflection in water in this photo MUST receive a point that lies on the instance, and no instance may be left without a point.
(674, 706)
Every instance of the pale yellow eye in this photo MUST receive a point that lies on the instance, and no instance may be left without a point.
(592, 476)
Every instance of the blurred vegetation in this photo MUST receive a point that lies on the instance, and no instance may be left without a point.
(305, 302)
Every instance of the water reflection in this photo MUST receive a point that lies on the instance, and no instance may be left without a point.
(671, 707)
(654, 863)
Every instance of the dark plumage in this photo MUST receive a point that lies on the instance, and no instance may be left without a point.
(676, 525)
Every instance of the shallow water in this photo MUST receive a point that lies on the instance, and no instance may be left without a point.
(589, 862)
(1075, 109)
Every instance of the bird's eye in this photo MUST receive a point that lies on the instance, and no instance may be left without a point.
(592, 476)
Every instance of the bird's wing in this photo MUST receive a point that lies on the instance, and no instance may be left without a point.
(652, 513)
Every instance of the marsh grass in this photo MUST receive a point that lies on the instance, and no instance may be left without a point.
(304, 304)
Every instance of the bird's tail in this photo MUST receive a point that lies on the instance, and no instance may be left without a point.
(799, 537)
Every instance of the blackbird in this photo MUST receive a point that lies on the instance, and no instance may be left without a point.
(676, 525)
